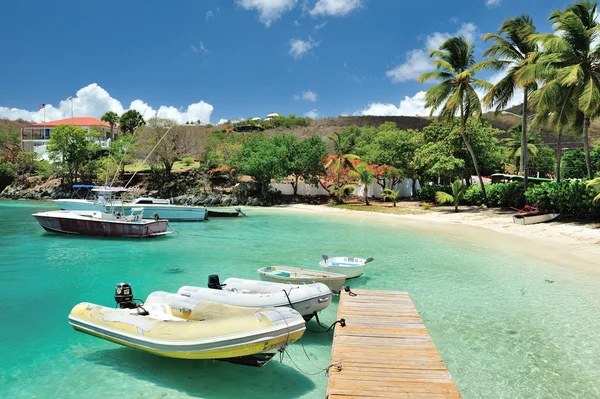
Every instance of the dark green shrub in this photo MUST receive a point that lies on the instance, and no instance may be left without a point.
(26, 162)
(8, 173)
(567, 197)
(427, 192)
(504, 195)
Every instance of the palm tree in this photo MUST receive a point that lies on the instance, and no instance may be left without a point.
(572, 60)
(595, 184)
(365, 177)
(339, 161)
(390, 194)
(515, 147)
(514, 51)
(112, 119)
(455, 94)
(458, 190)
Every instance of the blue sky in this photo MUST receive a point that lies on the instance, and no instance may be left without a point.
(230, 59)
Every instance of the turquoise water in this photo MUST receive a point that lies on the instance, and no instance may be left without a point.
(506, 326)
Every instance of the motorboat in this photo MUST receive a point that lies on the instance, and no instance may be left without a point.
(296, 275)
(349, 267)
(170, 325)
(95, 223)
(532, 215)
(225, 213)
(307, 299)
(105, 201)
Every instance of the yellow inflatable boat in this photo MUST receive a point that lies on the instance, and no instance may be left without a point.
(175, 326)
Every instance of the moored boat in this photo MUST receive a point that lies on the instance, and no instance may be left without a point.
(174, 326)
(532, 215)
(307, 299)
(94, 223)
(105, 201)
(225, 213)
(295, 275)
(349, 267)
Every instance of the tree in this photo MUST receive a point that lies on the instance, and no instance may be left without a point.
(339, 161)
(458, 190)
(263, 159)
(595, 185)
(570, 67)
(121, 150)
(515, 50)
(165, 142)
(9, 140)
(573, 164)
(515, 147)
(364, 174)
(391, 195)
(71, 146)
(130, 121)
(308, 161)
(455, 94)
(112, 119)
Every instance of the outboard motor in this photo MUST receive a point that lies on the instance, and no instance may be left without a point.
(124, 296)
(214, 283)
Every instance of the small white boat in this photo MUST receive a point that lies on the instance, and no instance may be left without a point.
(295, 275)
(534, 218)
(307, 299)
(174, 326)
(349, 267)
(94, 223)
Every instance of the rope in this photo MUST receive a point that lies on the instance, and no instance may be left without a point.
(288, 298)
(341, 322)
(326, 369)
(349, 291)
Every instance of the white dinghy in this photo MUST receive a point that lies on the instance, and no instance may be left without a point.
(296, 275)
(307, 299)
(349, 267)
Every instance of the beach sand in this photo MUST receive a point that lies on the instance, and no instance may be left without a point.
(571, 245)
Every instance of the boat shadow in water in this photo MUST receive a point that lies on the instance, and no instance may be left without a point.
(206, 378)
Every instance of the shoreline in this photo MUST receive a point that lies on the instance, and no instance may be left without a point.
(571, 245)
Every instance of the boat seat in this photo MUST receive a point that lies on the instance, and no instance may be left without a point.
(161, 311)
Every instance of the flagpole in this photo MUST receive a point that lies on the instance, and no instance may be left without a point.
(44, 121)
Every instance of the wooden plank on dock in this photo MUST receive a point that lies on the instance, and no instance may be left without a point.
(385, 351)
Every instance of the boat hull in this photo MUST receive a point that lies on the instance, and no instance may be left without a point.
(533, 219)
(101, 228)
(212, 213)
(294, 275)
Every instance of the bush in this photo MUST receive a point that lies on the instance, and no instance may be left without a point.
(45, 169)
(26, 162)
(8, 173)
(504, 195)
(427, 192)
(187, 161)
(566, 197)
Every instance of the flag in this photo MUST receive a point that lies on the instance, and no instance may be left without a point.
(42, 106)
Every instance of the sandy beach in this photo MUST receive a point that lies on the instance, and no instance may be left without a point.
(572, 245)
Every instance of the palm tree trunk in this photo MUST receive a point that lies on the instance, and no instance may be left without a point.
(463, 132)
(524, 150)
(558, 155)
(586, 146)
(295, 186)
(366, 194)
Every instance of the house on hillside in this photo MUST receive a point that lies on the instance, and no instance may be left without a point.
(35, 137)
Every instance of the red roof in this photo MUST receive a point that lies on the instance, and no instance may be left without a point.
(81, 121)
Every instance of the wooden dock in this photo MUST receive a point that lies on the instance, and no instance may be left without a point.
(385, 351)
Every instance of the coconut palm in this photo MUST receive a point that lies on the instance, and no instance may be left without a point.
(340, 161)
(515, 147)
(458, 190)
(513, 50)
(365, 176)
(112, 119)
(572, 60)
(391, 195)
(455, 94)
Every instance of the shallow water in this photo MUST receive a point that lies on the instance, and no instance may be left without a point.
(506, 326)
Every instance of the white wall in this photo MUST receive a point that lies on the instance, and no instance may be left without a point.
(375, 190)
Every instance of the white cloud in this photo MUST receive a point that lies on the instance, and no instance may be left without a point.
(200, 48)
(298, 48)
(320, 26)
(418, 61)
(410, 106)
(309, 96)
(93, 100)
(313, 114)
(268, 10)
(492, 3)
(209, 15)
(337, 8)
